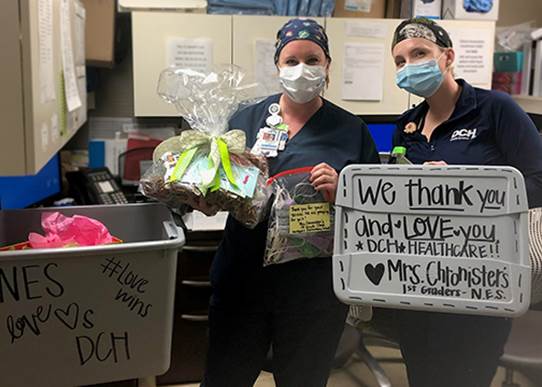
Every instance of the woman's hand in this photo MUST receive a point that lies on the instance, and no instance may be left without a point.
(199, 204)
(438, 163)
(324, 179)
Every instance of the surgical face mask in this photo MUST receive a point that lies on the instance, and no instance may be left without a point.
(422, 79)
(302, 83)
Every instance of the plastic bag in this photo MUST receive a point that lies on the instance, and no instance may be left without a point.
(327, 8)
(513, 38)
(314, 7)
(478, 6)
(301, 221)
(303, 8)
(281, 7)
(208, 162)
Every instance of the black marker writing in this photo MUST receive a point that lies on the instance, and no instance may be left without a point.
(103, 348)
(384, 190)
(29, 282)
(133, 302)
(492, 199)
(442, 195)
(17, 326)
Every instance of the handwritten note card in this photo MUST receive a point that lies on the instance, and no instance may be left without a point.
(450, 239)
(312, 217)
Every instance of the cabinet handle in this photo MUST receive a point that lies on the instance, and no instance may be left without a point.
(195, 317)
(201, 248)
(197, 284)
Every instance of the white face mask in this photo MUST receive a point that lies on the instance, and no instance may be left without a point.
(302, 83)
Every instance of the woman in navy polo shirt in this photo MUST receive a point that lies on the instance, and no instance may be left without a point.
(289, 306)
(456, 124)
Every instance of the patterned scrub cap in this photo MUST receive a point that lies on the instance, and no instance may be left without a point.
(421, 27)
(301, 29)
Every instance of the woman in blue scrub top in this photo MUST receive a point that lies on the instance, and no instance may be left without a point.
(291, 306)
(456, 124)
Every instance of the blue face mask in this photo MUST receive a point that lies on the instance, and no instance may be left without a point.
(421, 79)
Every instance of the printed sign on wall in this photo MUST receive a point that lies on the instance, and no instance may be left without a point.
(450, 239)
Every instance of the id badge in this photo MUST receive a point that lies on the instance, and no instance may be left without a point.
(267, 142)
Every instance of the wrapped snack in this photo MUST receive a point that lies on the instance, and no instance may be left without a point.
(301, 221)
(208, 162)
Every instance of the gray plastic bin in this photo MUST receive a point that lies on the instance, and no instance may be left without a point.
(447, 239)
(86, 315)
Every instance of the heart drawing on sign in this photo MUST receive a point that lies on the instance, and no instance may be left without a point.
(68, 316)
(374, 273)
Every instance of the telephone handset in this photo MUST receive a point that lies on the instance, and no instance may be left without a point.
(95, 186)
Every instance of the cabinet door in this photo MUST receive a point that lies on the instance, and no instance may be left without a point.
(35, 120)
(154, 35)
(367, 32)
(254, 40)
(12, 155)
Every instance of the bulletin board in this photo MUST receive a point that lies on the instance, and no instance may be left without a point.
(447, 239)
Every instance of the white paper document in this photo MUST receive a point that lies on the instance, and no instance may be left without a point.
(196, 54)
(79, 31)
(265, 71)
(363, 73)
(198, 221)
(365, 29)
(55, 132)
(473, 55)
(45, 31)
(73, 101)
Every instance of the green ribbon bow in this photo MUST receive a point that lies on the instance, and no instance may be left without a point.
(220, 148)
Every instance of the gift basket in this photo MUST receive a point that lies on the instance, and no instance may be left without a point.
(301, 220)
(208, 163)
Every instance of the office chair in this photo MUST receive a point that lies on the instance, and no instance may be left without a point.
(523, 350)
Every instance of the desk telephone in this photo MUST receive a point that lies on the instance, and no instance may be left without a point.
(95, 186)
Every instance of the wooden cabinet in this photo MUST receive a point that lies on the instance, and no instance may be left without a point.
(189, 345)
(247, 41)
(152, 36)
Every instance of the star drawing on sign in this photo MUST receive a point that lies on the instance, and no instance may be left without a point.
(359, 245)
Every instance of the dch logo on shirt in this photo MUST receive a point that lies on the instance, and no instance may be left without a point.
(464, 134)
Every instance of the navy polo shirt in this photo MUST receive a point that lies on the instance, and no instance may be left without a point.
(486, 128)
(332, 135)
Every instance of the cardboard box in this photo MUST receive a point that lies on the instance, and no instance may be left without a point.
(360, 8)
(429, 9)
(393, 9)
(100, 32)
(508, 62)
(456, 9)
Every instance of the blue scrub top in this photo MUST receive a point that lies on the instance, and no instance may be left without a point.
(487, 127)
(332, 135)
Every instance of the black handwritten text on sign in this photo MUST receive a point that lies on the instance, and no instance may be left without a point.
(432, 235)
(32, 282)
(433, 277)
(430, 194)
(103, 347)
(132, 285)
